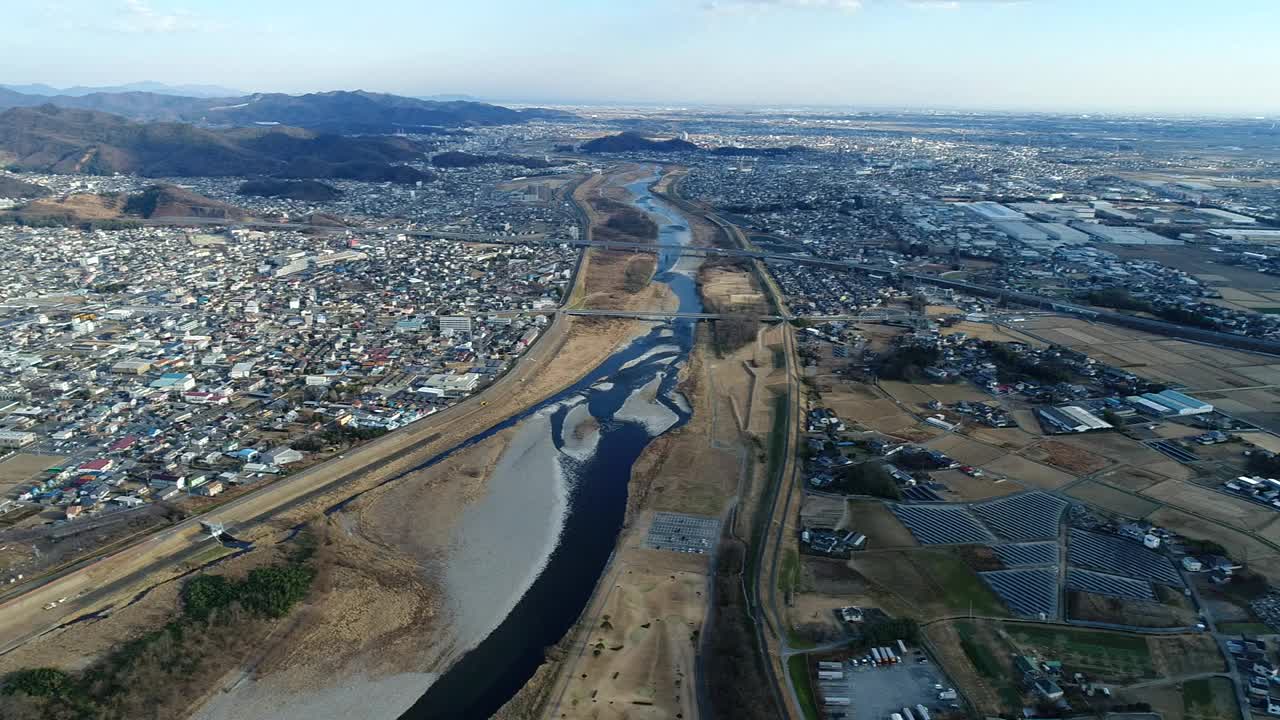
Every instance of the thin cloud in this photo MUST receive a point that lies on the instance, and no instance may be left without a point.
(847, 6)
(739, 5)
(957, 4)
(138, 17)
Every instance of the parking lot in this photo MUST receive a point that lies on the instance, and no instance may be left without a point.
(876, 693)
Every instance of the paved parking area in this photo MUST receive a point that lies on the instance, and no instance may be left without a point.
(682, 533)
(876, 693)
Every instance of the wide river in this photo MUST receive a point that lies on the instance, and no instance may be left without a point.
(526, 557)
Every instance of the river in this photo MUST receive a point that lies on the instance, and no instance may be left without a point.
(532, 550)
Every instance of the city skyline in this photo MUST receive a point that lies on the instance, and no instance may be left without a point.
(1143, 57)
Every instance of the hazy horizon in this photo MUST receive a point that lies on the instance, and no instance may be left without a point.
(1085, 56)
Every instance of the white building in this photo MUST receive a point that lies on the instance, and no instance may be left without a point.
(443, 385)
(12, 439)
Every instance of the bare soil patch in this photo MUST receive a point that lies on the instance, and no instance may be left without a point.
(1029, 472)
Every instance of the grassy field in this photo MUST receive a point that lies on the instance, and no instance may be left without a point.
(1209, 699)
(961, 587)
(984, 649)
(1109, 498)
(933, 582)
(1245, 628)
(798, 667)
(774, 461)
(1108, 655)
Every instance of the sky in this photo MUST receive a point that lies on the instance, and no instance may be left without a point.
(1141, 56)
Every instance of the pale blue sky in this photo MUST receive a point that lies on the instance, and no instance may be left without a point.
(1085, 55)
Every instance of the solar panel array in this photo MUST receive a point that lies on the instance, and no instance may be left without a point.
(1029, 516)
(1103, 584)
(1025, 554)
(683, 533)
(1026, 592)
(1119, 556)
(942, 524)
(920, 493)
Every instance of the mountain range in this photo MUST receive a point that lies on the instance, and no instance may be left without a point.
(197, 91)
(339, 111)
(62, 140)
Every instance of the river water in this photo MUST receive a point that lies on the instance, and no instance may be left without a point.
(541, 537)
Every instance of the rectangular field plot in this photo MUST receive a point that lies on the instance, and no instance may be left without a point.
(1029, 593)
(1119, 556)
(1111, 585)
(1109, 498)
(1027, 554)
(942, 525)
(1212, 504)
(1029, 516)
(682, 533)
(1029, 472)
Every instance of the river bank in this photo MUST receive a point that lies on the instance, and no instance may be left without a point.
(637, 643)
(492, 530)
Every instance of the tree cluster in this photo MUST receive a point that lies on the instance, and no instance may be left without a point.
(887, 631)
(1012, 366)
(338, 435)
(638, 273)
(156, 675)
(906, 363)
(735, 331)
(869, 478)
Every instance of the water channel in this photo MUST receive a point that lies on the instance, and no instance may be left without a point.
(543, 534)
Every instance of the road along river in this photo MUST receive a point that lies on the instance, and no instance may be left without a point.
(525, 558)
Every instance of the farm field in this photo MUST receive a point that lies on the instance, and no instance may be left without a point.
(965, 450)
(970, 489)
(1069, 457)
(1175, 611)
(1029, 472)
(1130, 478)
(23, 467)
(1008, 438)
(1212, 504)
(882, 527)
(933, 582)
(1109, 498)
(1238, 544)
(1118, 657)
(1115, 447)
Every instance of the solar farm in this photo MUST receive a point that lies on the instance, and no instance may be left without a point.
(1027, 554)
(1111, 554)
(1030, 593)
(942, 524)
(1028, 516)
(1110, 585)
(1100, 564)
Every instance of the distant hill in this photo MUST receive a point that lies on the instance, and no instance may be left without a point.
(635, 142)
(339, 112)
(51, 139)
(169, 201)
(758, 152)
(195, 91)
(455, 159)
(13, 188)
(156, 202)
(307, 190)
